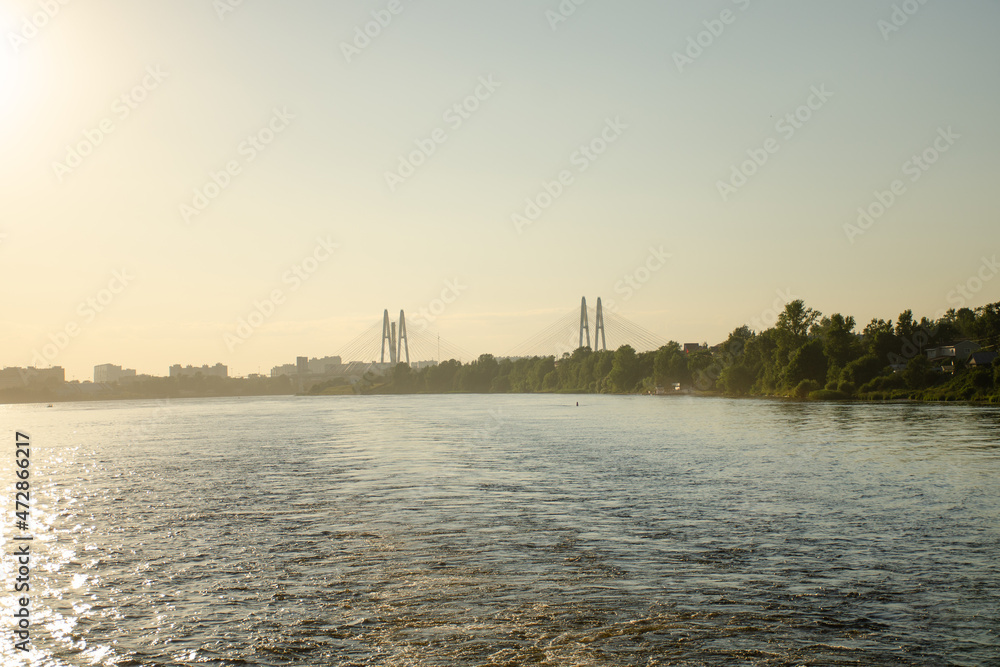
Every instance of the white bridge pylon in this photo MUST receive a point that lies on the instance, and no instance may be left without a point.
(599, 335)
(399, 344)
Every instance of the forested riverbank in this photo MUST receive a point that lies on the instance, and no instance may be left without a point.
(805, 355)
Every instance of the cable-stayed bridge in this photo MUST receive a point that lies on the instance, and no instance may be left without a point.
(572, 331)
(389, 342)
(386, 342)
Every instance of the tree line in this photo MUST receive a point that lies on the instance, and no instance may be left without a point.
(804, 355)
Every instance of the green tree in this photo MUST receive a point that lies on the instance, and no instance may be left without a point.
(863, 370)
(500, 384)
(918, 373)
(665, 364)
(804, 388)
(441, 378)
(403, 378)
(737, 380)
(645, 371)
(704, 370)
(625, 370)
(551, 381)
(585, 377)
(965, 320)
(761, 355)
(905, 328)
(796, 320)
(792, 329)
(840, 344)
(881, 340)
(736, 344)
(604, 360)
(987, 326)
(807, 363)
(543, 366)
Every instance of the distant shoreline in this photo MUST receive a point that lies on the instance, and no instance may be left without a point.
(702, 395)
(805, 356)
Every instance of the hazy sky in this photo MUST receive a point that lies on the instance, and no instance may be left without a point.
(309, 116)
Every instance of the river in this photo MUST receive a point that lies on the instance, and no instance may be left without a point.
(507, 530)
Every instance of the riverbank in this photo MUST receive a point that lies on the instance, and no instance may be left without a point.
(935, 395)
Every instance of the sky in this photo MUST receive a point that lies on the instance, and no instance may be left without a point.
(167, 170)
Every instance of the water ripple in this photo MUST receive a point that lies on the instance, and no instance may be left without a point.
(512, 530)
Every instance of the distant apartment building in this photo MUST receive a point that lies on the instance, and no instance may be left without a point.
(287, 369)
(15, 377)
(307, 366)
(326, 365)
(218, 370)
(693, 347)
(110, 374)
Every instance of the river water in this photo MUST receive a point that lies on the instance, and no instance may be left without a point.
(507, 530)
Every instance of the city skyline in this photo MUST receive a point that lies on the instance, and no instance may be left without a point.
(171, 170)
